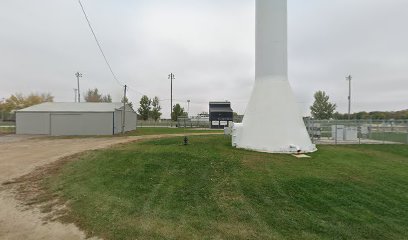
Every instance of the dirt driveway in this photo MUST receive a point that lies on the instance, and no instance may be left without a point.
(20, 157)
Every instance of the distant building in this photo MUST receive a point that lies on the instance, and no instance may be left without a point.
(202, 117)
(71, 119)
(221, 114)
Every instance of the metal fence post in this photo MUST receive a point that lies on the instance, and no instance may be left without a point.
(335, 139)
(359, 134)
(383, 133)
(407, 133)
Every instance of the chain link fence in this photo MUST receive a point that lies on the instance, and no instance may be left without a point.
(152, 123)
(193, 123)
(181, 123)
(7, 123)
(320, 131)
(358, 131)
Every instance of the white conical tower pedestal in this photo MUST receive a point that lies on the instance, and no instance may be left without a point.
(272, 122)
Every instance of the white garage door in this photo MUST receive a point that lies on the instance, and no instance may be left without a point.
(73, 124)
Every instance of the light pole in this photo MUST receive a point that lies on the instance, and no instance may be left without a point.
(2, 112)
(171, 77)
(78, 75)
(76, 98)
(188, 108)
(124, 110)
(349, 78)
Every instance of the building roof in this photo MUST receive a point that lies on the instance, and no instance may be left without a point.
(73, 107)
(220, 102)
(221, 109)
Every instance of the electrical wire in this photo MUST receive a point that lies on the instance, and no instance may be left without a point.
(99, 45)
(130, 88)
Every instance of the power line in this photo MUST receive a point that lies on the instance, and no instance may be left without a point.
(131, 88)
(99, 45)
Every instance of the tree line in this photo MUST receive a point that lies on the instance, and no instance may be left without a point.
(19, 101)
(323, 109)
(376, 115)
(151, 109)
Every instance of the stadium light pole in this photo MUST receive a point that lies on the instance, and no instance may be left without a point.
(78, 75)
(171, 77)
(188, 108)
(349, 78)
(76, 98)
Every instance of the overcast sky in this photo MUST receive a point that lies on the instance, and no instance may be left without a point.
(209, 45)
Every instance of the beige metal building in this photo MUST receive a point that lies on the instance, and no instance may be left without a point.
(75, 119)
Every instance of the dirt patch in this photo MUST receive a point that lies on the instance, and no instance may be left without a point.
(27, 210)
(31, 192)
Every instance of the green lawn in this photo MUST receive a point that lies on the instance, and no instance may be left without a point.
(166, 130)
(149, 131)
(208, 190)
(390, 137)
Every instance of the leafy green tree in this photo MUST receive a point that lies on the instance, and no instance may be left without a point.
(126, 100)
(156, 109)
(145, 107)
(237, 118)
(19, 101)
(361, 115)
(93, 95)
(380, 115)
(178, 111)
(338, 116)
(322, 108)
(107, 98)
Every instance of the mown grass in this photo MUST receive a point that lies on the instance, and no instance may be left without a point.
(167, 130)
(398, 137)
(147, 131)
(208, 190)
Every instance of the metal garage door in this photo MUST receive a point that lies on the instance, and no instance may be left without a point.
(75, 124)
(66, 124)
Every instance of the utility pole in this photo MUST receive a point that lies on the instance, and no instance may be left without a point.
(76, 98)
(78, 75)
(124, 110)
(171, 77)
(188, 108)
(349, 78)
(2, 112)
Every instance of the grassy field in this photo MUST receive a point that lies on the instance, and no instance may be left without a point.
(148, 131)
(166, 130)
(390, 137)
(208, 190)
(7, 129)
